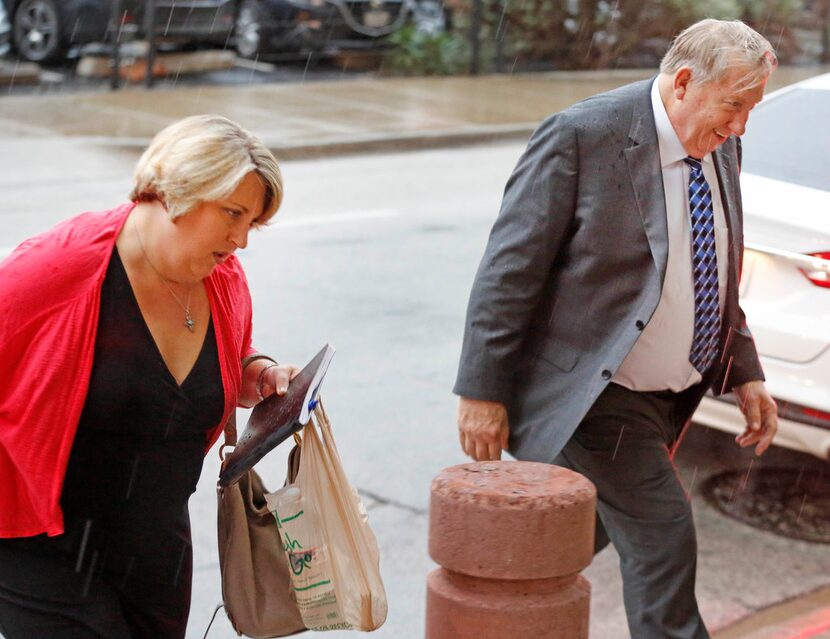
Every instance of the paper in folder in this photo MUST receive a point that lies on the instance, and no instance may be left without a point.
(276, 418)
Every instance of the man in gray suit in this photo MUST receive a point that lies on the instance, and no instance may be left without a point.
(606, 304)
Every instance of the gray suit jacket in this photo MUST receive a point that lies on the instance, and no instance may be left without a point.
(574, 268)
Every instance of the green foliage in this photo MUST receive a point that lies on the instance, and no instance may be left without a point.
(529, 30)
(416, 52)
(692, 10)
(572, 34)
(590, 34)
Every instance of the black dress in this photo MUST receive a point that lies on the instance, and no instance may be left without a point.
(123, 566)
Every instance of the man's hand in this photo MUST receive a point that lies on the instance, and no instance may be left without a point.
(761, 415)
(482, 428)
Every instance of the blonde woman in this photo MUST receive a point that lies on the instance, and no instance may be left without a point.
(125, 343)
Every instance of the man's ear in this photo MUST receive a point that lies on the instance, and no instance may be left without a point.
(681, 82)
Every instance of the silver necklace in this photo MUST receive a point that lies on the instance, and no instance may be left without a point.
(188, 318)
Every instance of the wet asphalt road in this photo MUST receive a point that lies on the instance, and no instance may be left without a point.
(375, 254)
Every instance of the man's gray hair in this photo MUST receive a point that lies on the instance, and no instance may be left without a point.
(711, 47)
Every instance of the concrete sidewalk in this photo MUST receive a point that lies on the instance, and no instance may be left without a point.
(307, 119)
(326, 118)
(317, 117)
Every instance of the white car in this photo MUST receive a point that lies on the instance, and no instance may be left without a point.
(785, 285)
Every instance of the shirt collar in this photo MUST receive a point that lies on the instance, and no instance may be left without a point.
(671, 149)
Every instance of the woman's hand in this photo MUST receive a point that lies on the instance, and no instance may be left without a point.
(264, 377)
(274, 378)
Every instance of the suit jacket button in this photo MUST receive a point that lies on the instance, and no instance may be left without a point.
(640, 325)
(606, 374)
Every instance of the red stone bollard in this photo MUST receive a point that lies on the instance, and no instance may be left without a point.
(511, 539)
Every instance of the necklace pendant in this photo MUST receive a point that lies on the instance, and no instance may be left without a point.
(189, 323)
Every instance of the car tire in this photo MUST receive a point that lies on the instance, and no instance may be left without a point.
(248, 29)
(38, 35)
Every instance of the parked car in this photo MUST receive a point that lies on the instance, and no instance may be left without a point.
(5, 31)
(44, 30)
(785, 284)
(271, 26)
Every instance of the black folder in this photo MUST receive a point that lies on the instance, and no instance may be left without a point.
(276, 418)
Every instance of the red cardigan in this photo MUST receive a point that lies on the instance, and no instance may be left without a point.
(50, 292)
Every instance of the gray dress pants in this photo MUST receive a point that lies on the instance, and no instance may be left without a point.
(623, 446)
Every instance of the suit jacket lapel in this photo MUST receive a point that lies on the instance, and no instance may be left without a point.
(643, 159)
(727, 175)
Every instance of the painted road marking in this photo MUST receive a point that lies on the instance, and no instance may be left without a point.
(333, 218)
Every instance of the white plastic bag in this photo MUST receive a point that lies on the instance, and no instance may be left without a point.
(332, 553)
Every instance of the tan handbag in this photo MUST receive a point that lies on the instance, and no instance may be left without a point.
(256, 585)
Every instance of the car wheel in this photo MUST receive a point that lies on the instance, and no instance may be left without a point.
(37, 31)
(248, 29)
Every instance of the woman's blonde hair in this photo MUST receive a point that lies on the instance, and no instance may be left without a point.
(711, 47)
(203, 158)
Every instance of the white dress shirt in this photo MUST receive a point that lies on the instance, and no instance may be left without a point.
(660, 357)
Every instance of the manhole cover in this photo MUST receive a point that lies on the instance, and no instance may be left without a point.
(784, 501)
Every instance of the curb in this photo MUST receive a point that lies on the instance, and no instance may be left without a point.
(15, 72)
(804, 617)
(402, 142)
(379, 143)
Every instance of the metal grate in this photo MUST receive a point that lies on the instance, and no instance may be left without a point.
(788, 502)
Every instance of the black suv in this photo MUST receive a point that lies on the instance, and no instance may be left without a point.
(44, 30)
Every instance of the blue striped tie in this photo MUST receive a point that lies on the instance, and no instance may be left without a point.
(704, 270)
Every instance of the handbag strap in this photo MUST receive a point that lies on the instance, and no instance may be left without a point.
(213, 618)
(230, 425)
(230, 434)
